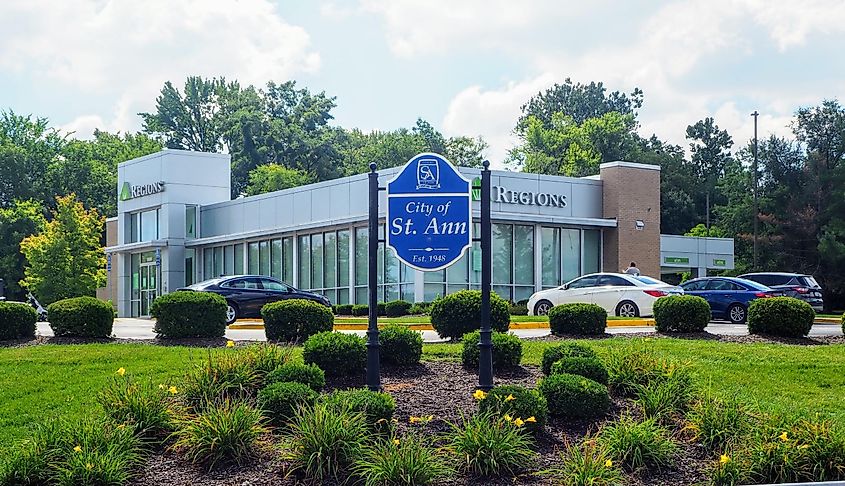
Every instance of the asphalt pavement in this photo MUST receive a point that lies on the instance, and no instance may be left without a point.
(130, 328)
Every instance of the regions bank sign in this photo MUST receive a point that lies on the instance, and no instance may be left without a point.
(529, 198)
(129, 191)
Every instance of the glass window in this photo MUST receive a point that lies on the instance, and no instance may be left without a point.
(252, 258)
(189, 266)
(502, 254)
(276, 259)
(523, 255)
(268, 284)
(135, 264)
(571, 253)
(264, 257)
(239, 259)
(551, 256)
(207, 263)
(149, 225)
(133, 228)
(287, 266)
(304, 262)
(229, 260)
(584, 282)
(592, 251)
(694, 285)
(218, 261)
(190, 222)
(317, 261)
(343, 260)
(361, 258)
(330, 260)
(615, 281)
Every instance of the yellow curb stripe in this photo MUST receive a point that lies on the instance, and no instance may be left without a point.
(339, 326)
(828, 320)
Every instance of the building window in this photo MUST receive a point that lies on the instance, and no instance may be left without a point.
(142, 226)
(239, 259)
(592, 251)
(569, 253)
(395, 280)
(324, 264)
(190, 222)
(190, 255)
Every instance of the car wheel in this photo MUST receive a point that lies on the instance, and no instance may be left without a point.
(626, 308)
(231, 313)
(542, 308)
(737, 313)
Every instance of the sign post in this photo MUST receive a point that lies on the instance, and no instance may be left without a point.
(485, 344)
(373, 364)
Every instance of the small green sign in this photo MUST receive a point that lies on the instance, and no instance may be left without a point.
(476, 189)
(719, 263)
(125, 192)
(676, 260)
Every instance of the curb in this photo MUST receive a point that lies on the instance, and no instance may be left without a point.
(257, 324)
(828, 320)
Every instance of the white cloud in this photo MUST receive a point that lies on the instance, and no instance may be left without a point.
(790, 23)
(126, 50)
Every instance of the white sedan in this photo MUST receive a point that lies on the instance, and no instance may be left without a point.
(618, 293)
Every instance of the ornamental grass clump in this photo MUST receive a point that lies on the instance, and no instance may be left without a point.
(507, 350)
(407, 461)
(585, 464)
(307, 374)
(489, 445)
(665, 400)
(224, 433)
(221, 377)
(638, 444)
(517, 402)
(718, 423)
(557, 352)
(400, 345)
(630, 367)
(573, 396)
(591, 368)
(146, 409)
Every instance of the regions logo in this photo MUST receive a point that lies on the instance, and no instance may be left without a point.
(128, 191)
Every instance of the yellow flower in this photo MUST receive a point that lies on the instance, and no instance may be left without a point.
(121, 371)
(531, 419)
(783, 437)
(161, 386)
(509, 398)
(121, 426)
(89, 466)
(395, 441)
(518, 422)
(415, 420)
(230, 344)
(429, 418)
(173, 390)
(508, 417)
(724, 459)
(608, 463)
(77, 449)
(804, 446)
(479, 395)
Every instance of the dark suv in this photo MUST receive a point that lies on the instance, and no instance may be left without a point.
(796, 285)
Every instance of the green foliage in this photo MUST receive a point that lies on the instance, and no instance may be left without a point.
(82, 317)
(518, 310)
(586, 464)
(377, 407)
(343, 309)
(275, 177)
(400, 345)
(223, 433)
(397, 308)
(630, 367)
(780, 316)
(518, 402)
(419, 308)
(17, 320)
(381, 309)
(578, 319)
(591, 368)
(410, 461)
(360, 310)
(295, 320)
(279, 401)
(507, 350)
(263, 358)
(65, 259)
(666, 399)
(456, 314)
(19, 220)
(486, 445)
(681, 313)
(189, 314)
(718, 423)
(307, 374)
(325, 440)
(557, 352)
(573, 396)
(336, 353)
(638, 443)
(144, 408)
(732, 468)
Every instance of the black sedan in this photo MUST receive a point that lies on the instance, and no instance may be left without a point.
(247, 294)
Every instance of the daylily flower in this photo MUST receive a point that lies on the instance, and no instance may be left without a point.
(531, 419)
(121, 371)
(173, 390)
(509, 398)
(479, 395)
(230, 344)
(415, 420)
(783, 437)
(508, 417)
(161, 386)
(518, 422)
(724, 459)
(608, 463)
(395, 441)
(77, 449)
(89, 466)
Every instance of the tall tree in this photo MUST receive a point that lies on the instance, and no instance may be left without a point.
(710, 149)
(27, 148)
(21, 219)
(275, 177)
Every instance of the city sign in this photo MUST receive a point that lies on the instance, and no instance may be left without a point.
(429, 213)
(129, 191)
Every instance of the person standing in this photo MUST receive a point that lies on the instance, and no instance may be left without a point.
(632, 269)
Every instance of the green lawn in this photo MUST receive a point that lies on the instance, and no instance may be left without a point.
(427, 320)
(41, 381)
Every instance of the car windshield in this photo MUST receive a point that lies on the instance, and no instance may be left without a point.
(754, 285)
(205, 283)
(810, 281)
(649, 280)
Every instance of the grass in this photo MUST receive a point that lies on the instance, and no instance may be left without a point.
(427, 319)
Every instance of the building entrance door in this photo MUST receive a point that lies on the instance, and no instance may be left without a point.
(145, 285)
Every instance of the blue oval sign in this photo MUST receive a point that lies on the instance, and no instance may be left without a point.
(429, 213)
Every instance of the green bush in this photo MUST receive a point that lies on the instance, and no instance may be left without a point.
(681, 313)
(487, 445)
(295, 320)
(564, 350)
(336, 353)
(637, 444)
(591, 368)
(507, 350)
(81, 317)
(518, 310)
(397, 308)
(263, 358)
(377, 407)
(278, 401)
(225, 433)
(360, 310)
(518, 402)
(145, 409)
(325, 441)
(665, 400)
(381, 309)
(17, 320)
(574, 396)
(410, 460)
(631, 367)
(578, 319)
(400, 345)
(586, 464)
(420, 308)
(456, 314)
(780, 316)
(189, 314)
(343, 309)
(307, 374)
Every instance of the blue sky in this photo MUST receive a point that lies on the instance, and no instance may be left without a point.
(466, 66)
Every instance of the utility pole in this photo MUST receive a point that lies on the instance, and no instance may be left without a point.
(756, 208)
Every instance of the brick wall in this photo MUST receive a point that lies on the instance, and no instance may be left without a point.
(631, 192)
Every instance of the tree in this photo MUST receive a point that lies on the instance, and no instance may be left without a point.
(275, 177)
(466, 151)
(65, 259)
(21, 219)
(27, 148)
(710, 149)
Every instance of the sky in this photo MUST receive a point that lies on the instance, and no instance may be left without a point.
(466, 66)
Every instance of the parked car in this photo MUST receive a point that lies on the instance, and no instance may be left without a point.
(247, 294)
(728, 297)
(796, 285)
(618, 293)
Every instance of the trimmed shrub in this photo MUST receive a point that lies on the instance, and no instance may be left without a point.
(578, 319)
(573, 396)
(591, 368)
(638, 444)
(400, 345)
(189, 315)
(343, 309)
(377, 407)
(295, 320)
(564, 350)
(336, 353)
(681, 313)
(420, 308)
(278, 401)
(325, 441)
(17, 320)
(518, 402)
(507, 350)
(487, 445)
(519, 310)
(360, 310)
(411, 460)
(456, 314)
(222, 434)
(143, 408)
(780, 316)
(81, 317)
(381, 309)
(307, 374)
(397, 308)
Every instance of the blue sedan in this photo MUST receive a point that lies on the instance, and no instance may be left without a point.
(728, 296)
